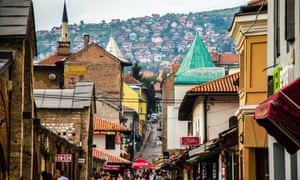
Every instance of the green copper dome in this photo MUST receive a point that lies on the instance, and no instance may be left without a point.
(197, 66)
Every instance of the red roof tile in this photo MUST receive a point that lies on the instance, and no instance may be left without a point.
(129, 79)
(147, 74)
(225, 84)
(229, 58)
(111, 158)
(51, 60)
(105, 125)
(225, 58)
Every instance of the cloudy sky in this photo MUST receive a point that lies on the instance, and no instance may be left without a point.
(48, 13)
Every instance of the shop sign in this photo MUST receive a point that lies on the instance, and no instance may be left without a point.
(189, 140)
(63, 158)
(81, 160)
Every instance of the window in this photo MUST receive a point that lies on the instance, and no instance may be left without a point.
(110, 142)
(279, 162)
(294, 166)
(276, 29)
(290, 20)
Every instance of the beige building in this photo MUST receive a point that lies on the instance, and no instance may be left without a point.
(249, 31)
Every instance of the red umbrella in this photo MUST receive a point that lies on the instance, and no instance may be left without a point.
(140, 163)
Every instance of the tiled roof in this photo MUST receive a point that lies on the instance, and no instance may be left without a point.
(229, 58)
(129, 79)
(226, 58)
(51, 60)
(111, 158)
(105, 125)
(147, 74)
(225, 84)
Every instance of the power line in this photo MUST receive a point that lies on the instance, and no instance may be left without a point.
(128, 100)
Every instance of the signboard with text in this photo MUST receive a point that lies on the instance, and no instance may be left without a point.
(189, 140)
(63, 158)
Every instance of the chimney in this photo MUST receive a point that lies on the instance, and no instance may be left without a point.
(86, 39)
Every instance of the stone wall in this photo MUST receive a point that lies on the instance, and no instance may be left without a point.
(76, 121)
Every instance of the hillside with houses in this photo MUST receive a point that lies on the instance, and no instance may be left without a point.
(155, 41)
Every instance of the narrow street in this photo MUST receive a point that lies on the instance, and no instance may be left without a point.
(151, 149)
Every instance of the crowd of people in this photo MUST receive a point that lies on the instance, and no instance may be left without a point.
(144, 174)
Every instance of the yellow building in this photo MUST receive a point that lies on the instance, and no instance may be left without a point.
(249, 30)
(130, 97)
(134, 96)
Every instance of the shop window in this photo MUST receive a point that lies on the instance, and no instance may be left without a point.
(290, 20)
(279, 162)
(110, 142)
(276, 27)
(294, 167)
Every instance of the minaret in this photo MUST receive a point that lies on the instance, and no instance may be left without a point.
(64, 41)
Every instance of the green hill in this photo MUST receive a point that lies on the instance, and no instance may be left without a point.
(150, 40)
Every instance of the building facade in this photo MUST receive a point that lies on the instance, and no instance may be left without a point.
(278, 113)
(17, 112)
(249, 31)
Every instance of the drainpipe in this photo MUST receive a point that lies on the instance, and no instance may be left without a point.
(205, 119)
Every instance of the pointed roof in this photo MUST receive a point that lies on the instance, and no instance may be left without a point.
(196, 57)
(113, 48)
(197, 66)
(65, 15)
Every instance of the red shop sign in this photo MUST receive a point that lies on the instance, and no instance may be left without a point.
(189, 140)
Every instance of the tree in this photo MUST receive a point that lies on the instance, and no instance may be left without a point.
(136, 71)
(149, 84)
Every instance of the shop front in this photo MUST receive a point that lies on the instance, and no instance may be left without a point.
(205, 161)
(280, 115)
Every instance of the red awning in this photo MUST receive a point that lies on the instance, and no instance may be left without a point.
(280, 116)
(140, 163)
